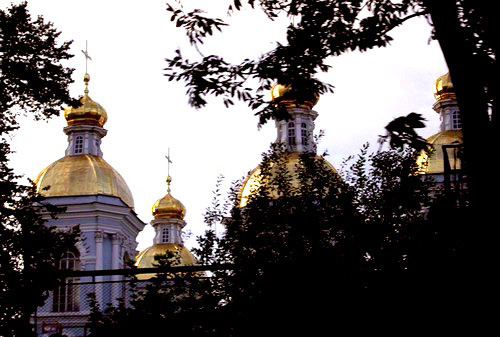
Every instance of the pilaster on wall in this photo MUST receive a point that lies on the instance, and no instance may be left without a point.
(116, 263)
(99, 289)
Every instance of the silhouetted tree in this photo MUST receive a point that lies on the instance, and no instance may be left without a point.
(310, 252)
(179, 303)
(466, 31)
(32, 82)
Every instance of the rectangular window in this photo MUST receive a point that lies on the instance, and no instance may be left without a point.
(66, 296)
(291, 133)
(78, 144)
(165, 235)
(303, 134)
(455, 120)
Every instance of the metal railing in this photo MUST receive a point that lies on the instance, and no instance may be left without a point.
(66, 311)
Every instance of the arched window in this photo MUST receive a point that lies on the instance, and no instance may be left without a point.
(291, 133)
(66, 295)
(165, 235)
(78, 144)
(303, 134)
(456, 122)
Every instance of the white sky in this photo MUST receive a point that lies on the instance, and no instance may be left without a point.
(128, 41)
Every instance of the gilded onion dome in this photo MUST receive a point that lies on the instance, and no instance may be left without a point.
(283, 92)
(168, 207)
(253, 181)
(89, 113)
(443, 88)
(82, 175)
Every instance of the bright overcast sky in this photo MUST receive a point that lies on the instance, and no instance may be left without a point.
(128, 41)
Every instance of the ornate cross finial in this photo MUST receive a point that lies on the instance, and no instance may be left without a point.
(86, 78)
(169, 161)
(87, 56)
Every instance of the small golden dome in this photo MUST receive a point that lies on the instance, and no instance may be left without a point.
(434, 164)
(253, 180)
(283, 91)
(168, 207)
(279, 90)
(82, 175)
(146, 258)
(89, 113)
(443, 88)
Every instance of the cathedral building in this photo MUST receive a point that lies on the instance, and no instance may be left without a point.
(444, 164)
(98, 200)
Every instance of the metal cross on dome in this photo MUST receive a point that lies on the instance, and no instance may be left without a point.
(87, 56)
(169, 161)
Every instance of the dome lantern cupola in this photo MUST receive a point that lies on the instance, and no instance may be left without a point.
(446, 104)
(168, 207)
(297, 131)
(89, 113)
(85, 125)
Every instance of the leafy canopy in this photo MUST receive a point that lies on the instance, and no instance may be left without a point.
(317, 31)
(309, 249)
(33, 82)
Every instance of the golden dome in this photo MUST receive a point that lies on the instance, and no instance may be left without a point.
(434, 164)
(168, 207)
(89, 113)
(279, 90)
(82, 175)
(146, 258)
(443, 88)
(253, 180)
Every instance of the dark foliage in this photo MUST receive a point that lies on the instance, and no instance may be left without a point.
(33, 82)
(311, 252)
(465, 29)
(401, 132)
(177, 303)
(318, 30)
(467, 33)
(29, 250)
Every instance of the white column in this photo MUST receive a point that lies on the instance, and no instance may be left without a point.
(99, 263)
(298, 133)
(115, 257)
(115, 264)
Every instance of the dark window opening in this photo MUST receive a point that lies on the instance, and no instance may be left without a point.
(66, 296)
